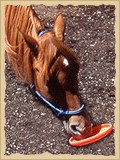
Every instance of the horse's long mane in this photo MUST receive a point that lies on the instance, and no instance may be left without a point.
(20, 19)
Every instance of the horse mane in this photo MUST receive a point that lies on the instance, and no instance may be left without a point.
(20, 19)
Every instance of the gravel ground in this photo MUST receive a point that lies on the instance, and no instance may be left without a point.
(32, 128)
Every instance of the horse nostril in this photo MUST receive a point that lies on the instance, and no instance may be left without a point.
(74, 129)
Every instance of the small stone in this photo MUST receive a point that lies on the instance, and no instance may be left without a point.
(43, 114)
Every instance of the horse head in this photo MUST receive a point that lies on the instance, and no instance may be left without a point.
(49, 64)
(55, 69)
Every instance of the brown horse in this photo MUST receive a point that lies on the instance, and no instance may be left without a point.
(45, 61)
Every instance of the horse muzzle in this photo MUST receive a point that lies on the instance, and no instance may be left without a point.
(78, 127)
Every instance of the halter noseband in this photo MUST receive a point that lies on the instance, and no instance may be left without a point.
(58, 110)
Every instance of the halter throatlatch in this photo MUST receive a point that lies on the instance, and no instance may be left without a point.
(58, 110)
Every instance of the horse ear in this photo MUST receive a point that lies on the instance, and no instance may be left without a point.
(59, 27)
(32, 43)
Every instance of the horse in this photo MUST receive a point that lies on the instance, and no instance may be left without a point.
(39, 55)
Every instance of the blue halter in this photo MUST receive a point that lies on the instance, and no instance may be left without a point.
(58, 110)
(41, 32)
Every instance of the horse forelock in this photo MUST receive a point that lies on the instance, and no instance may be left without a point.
(47, 53)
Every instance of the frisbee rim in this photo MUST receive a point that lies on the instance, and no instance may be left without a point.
(94, 138)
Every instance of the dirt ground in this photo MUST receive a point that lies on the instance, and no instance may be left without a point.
(32, 128)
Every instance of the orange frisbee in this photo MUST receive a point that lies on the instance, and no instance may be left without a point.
(98, 133)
